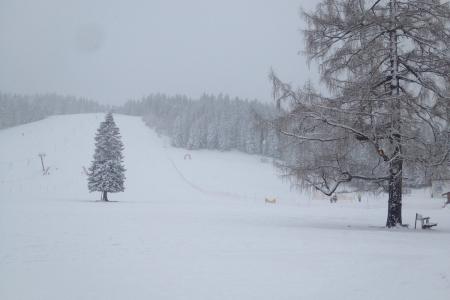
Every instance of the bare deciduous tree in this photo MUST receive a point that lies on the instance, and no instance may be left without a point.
(384, 118)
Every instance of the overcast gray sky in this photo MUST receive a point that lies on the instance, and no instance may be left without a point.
(112, 51)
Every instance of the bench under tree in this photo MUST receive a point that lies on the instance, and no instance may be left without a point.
(425, 222)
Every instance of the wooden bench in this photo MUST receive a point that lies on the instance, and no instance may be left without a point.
(425, 221)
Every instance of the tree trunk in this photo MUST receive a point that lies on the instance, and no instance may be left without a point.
(105, 196)
(394, 217)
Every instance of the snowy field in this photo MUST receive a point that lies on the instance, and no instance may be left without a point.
(198, 228)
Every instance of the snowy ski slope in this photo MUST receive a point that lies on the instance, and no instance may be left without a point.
(196, 229)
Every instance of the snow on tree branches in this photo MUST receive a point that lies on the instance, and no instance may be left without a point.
(385, 119)
(107, 173)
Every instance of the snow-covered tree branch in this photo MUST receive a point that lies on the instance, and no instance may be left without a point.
(384, 119)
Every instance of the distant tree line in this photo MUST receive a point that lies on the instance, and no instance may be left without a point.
(213, 122)
(21, 109)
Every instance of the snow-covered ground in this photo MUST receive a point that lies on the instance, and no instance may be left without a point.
(196, 229)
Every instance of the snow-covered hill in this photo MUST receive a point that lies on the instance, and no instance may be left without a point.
(196, 228)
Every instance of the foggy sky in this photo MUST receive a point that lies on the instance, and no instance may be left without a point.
(112, 51)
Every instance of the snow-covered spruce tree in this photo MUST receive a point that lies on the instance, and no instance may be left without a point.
(107, 173)
(385, 115)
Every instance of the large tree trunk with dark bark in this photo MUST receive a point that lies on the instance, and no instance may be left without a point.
(394, 217)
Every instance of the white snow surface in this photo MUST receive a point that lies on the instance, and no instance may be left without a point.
(197, 229)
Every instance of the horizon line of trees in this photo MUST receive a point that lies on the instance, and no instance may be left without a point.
(213, 122)
(209, 122)
(18, 109)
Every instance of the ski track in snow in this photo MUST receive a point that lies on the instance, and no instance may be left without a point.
(196, 229)
(202, 190)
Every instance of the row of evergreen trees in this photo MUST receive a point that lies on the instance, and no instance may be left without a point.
(212, 122)
(21, 109)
